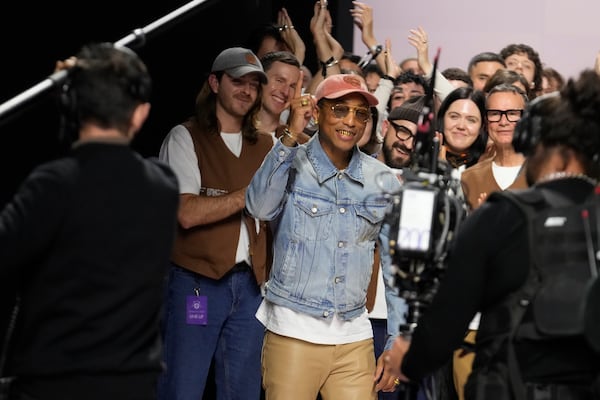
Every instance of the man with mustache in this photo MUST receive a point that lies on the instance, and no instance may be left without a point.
(400, 130)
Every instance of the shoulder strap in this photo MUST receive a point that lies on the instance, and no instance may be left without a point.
(526, 201)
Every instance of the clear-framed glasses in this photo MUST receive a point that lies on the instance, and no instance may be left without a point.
(360, 113)
(511, 115)
(402, 133)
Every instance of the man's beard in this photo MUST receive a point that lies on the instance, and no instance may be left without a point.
(395, 162)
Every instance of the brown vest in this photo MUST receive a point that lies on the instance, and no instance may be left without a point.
(372, 288)
(210, 250)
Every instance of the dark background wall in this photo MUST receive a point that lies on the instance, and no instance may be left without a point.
(178, 53)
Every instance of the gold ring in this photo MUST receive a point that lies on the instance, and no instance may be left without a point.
(397, 381)
(304, 102)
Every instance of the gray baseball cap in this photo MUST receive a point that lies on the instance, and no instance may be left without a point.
(237, 62)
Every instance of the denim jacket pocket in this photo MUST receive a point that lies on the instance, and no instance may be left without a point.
(368, 223)
(313, 217)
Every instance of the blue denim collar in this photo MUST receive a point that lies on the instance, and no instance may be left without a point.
(325, 168)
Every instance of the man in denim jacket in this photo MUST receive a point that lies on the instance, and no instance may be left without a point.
(327, 206)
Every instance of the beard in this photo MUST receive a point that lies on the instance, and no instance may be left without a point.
(393, 161)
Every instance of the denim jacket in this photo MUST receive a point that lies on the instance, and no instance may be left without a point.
(325, 224)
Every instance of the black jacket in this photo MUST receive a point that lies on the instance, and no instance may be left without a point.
(86, 242)
(488, 261)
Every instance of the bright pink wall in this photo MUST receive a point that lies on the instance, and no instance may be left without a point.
(565, 33)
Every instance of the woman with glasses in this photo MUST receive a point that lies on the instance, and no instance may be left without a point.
(504, 108)
(324, 199)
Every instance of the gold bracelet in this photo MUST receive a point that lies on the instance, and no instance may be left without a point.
(289, 134)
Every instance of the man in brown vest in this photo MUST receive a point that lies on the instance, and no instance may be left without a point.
(219, 258)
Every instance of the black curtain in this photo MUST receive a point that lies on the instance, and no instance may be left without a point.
(178, 54)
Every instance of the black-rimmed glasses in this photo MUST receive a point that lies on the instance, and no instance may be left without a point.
(402, 133)
(360, 113)
(511, 115)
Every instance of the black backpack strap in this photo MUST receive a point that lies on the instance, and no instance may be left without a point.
(527, 201)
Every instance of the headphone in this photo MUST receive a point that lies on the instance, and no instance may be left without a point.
(67, 107)
(528, 130)
(137, 80)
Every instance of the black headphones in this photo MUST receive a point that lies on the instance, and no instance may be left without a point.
(528, 130)
(139, 88)
(67, 107)
(67, 101)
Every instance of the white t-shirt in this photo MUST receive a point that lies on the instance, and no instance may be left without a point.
(379, 310)
(505, 176)
(286, 322)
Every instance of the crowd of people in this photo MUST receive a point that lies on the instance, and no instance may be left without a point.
(258, 253)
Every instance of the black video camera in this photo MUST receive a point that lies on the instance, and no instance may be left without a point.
(424, 216)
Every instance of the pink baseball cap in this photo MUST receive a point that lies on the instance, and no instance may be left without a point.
(339, 85)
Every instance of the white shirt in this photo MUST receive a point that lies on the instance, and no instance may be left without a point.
(379, 310)
(505, 176)
(286, 322)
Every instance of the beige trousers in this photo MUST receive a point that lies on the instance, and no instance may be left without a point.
(293, 369)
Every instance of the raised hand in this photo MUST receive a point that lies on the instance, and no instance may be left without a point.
(418, 39)
(302, 107)
(326, 46)
(290, 35)
(390, 66)
(362, 16)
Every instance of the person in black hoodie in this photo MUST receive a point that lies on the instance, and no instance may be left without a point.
(86, 241)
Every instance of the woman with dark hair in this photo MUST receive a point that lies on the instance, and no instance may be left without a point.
(460, 120)
(461, 125)
(523, 59)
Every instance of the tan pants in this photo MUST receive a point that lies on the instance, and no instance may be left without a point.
(293, 369)
(462, 362)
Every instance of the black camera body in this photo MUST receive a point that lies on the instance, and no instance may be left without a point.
(423, 219)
